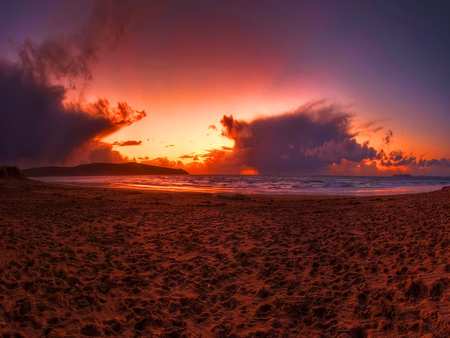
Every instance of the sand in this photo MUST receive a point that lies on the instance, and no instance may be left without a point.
(78, 262)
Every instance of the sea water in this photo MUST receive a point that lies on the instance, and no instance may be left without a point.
(287, 185)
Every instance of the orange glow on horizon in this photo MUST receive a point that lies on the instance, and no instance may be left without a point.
(382, 168)
(249, 172)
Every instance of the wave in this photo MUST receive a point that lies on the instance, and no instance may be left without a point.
(292, 185)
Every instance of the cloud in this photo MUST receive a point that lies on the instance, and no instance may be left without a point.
(398, 160)
(317, 138)
(127, 143)
(103, 153)
(170, 145)
(368, 168)
(306, 140)
(334, 152)
(388, 138)
(187, 156)
(235, 129)
(38, 126)
(164, 162)
(443, 162)
(212, 127)
(39, 129)
(226, 148)
(73, 56)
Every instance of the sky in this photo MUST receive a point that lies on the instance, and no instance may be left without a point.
(228, 87)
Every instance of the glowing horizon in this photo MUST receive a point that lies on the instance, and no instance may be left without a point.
(188, 66)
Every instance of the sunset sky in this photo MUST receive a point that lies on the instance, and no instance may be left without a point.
(345, 72)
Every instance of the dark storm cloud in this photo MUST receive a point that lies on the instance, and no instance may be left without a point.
(304, 141)
(336, 151)
(38, 127)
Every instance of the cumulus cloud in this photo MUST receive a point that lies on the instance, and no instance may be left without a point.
(38, 126)
(306, 140)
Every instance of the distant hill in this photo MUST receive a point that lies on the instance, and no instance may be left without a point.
(103, 169)
(402, 176)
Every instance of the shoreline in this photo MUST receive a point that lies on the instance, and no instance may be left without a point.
(188, 192)
(254, 192)
(193, 192)
(80, 262)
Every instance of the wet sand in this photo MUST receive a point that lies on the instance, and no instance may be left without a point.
(78, 262)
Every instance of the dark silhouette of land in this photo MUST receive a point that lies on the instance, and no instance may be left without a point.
(104, 169)
(8, 172)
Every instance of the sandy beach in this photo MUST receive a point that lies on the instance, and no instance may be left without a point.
(78, 262)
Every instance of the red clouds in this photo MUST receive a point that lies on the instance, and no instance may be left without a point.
(234, 129)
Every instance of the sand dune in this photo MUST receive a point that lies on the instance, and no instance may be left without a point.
(80, 262)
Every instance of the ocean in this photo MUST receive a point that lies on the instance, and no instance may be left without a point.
(285, 185)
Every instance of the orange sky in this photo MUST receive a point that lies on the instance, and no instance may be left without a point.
(189, 64)
(192, 75)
